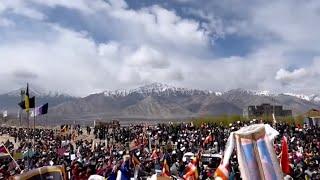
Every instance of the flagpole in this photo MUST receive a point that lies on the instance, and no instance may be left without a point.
(28, 139)
(34, 123)
(28, 120)
(20, 114)
(12, 157)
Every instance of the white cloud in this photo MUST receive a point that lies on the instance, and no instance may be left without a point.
(81, 5)
(20, 7)
(287, 76)
(148, 57)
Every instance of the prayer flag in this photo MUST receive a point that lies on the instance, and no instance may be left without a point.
(4, 151)
(285, 156)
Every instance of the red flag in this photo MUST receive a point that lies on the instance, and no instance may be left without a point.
(165, 169)
(192, 171)
(135, 161)
(3, 151)
(154, 154)
(222, 172)
(285, 156)
(207, 140)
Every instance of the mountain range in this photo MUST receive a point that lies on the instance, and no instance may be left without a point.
(157, 101)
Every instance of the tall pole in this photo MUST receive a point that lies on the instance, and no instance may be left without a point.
(20, 114)
(34, 125)
(46, 120)
(274, 115)
(274, 105)
(28, 133)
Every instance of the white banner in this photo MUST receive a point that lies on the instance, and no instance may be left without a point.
(5, 114)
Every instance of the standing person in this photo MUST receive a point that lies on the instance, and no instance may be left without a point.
(124, 172)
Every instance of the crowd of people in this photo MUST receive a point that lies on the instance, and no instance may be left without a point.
(140, 151)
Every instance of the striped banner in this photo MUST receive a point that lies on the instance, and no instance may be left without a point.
(48, 172)
(256, 156)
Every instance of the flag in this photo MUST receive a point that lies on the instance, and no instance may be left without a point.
(22, 104)
(42, 109)
(17, 155)
(154, 154)
(222, 172)
(4, 151)
(26, 99)
(64, 128)
(47, 172)
(285, 156)
(207, 140)
(255, 153)
(165, 169)
(192, 172)
(134, 159)
(5, 114)
(33, 113)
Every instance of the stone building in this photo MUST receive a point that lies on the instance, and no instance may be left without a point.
(312, 118)
(266, 110)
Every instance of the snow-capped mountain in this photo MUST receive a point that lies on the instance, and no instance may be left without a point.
(32, 92)
(158, 89)
(9, 101)
(312, 98)
(300, 96)
(263, 93)
(38, 92)
(267, 93)
(315, 98)
(218, 93)
(158, 101)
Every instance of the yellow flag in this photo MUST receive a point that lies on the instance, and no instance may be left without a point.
(26, 99)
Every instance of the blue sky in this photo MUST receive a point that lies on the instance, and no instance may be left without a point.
(85, 46)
